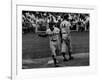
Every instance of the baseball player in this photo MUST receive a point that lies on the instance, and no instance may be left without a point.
(66, 39)
(54, 38)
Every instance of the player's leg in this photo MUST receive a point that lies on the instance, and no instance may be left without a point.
(58, 47)
(69, 45)
(63, 51)
(53, 49)
(55, 60)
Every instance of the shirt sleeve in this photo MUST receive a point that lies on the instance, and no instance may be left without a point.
(47, 31)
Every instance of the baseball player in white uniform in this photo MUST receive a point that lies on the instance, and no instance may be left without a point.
(66, 38)
(54, 38)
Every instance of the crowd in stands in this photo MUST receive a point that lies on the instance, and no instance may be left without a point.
(38, 21)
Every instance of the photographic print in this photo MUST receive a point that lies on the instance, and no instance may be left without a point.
(55, 39)
(52, 40)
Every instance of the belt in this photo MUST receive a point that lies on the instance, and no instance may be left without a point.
(64, 33)
(53, 40)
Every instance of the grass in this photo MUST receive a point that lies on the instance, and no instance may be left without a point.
(34, 47)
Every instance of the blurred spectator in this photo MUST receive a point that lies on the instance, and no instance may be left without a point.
(38, 21)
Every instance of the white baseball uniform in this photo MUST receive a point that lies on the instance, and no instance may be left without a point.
(65, 30)
(54, 38)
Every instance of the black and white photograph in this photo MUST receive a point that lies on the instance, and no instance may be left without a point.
(55, 39)
(52, 40)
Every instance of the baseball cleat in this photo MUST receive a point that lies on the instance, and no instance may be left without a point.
(56, 65)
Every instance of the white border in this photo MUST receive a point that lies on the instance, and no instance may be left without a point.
(18, 73)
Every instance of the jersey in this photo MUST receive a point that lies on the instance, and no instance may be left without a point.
(53, 35)
(65, 28)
